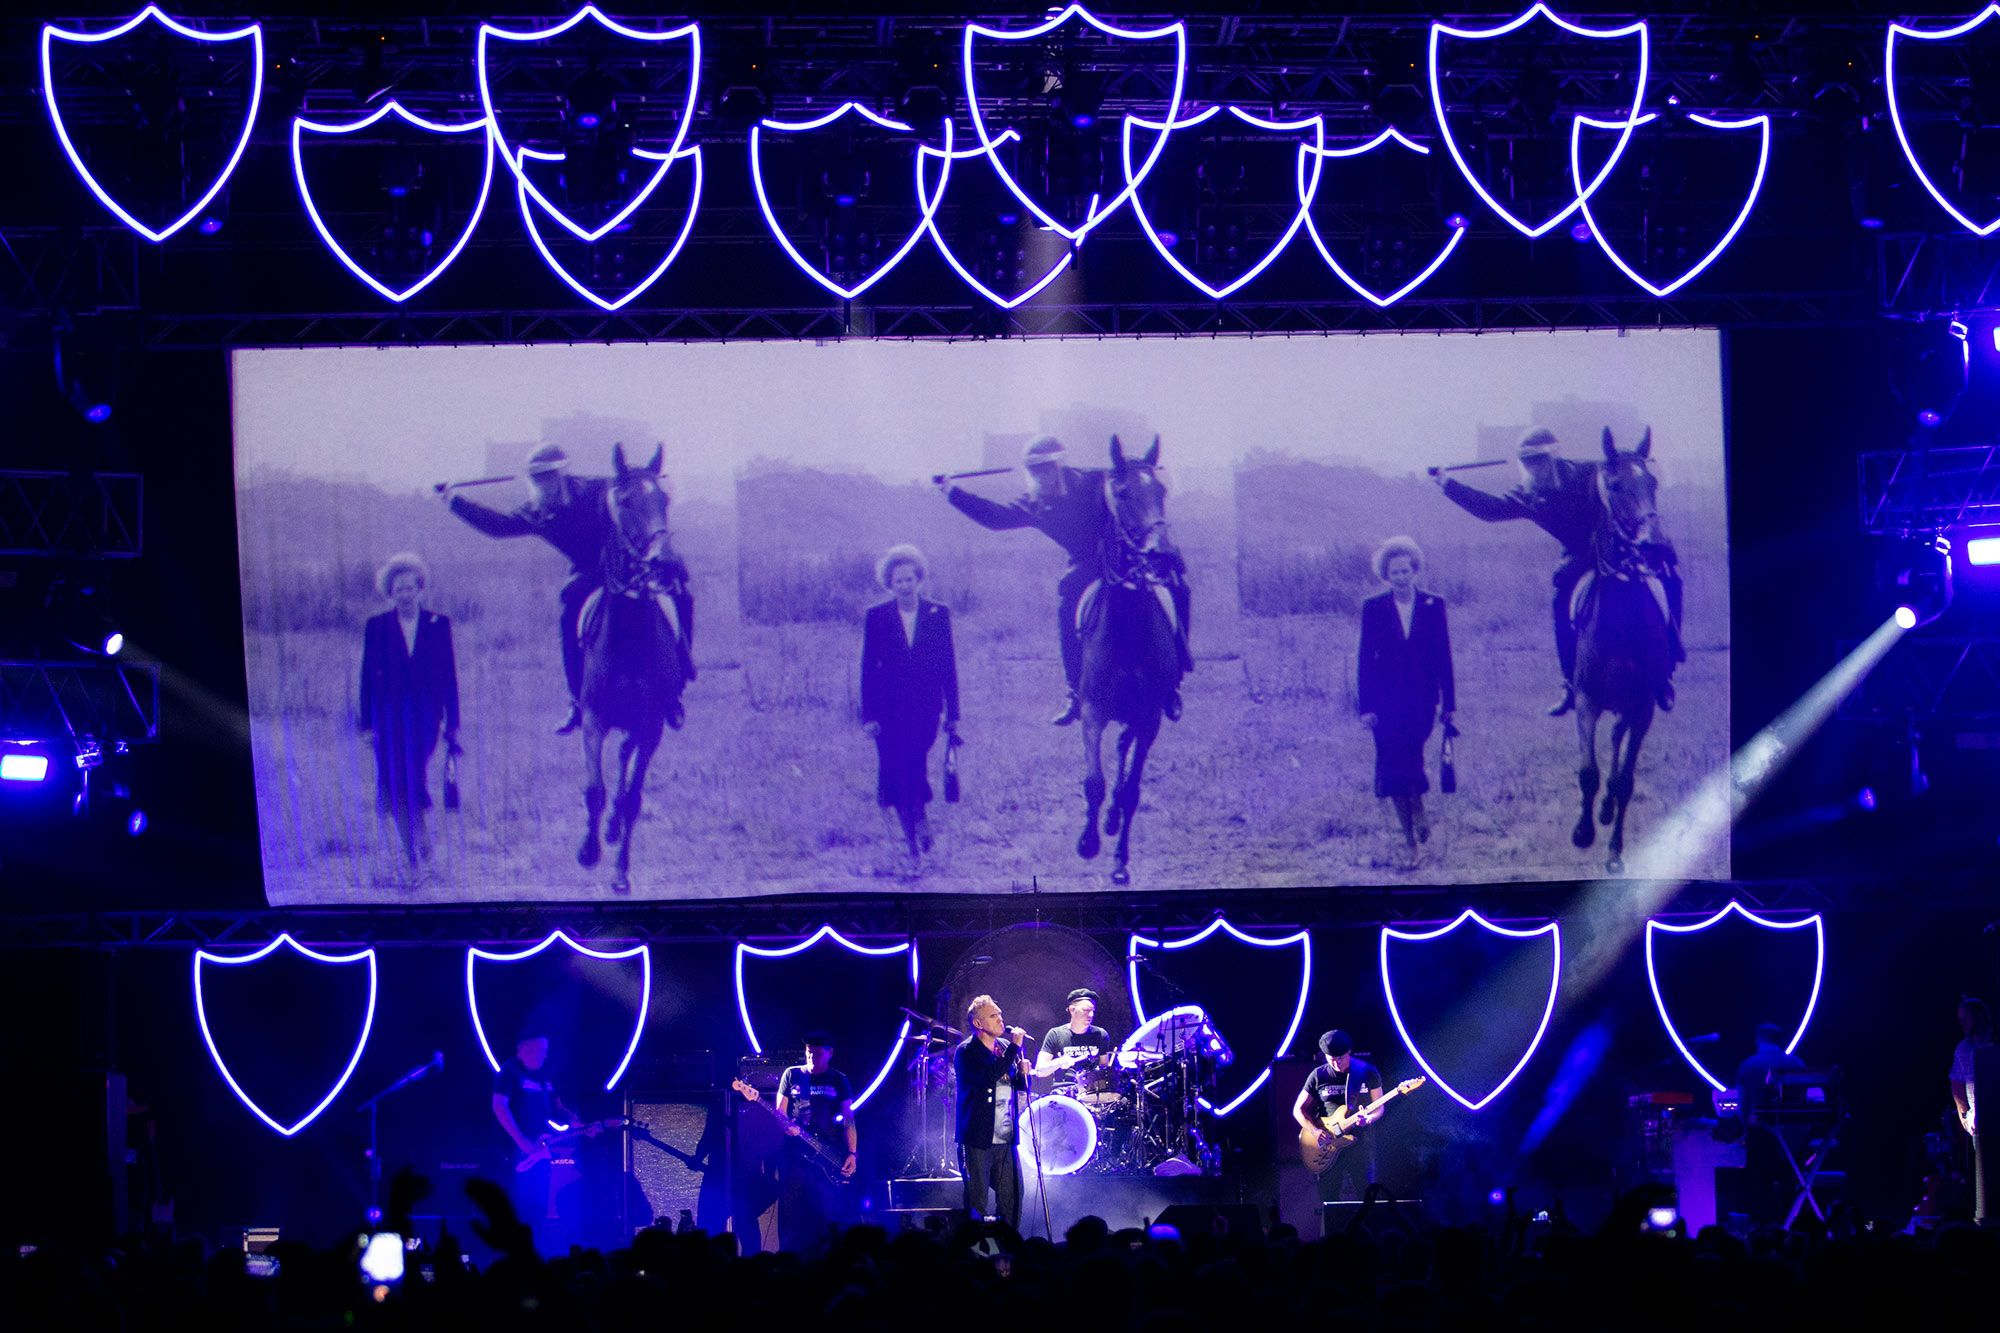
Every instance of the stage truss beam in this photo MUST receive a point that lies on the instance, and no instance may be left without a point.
(955, 917)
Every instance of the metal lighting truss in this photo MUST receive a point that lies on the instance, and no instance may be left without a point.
(876, 920)
(86, 515)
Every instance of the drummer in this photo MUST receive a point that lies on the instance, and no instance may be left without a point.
(1077, 1042)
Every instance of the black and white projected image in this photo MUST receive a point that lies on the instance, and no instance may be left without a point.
(557, 623)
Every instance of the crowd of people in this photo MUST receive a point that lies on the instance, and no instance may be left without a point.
(1524, 1272)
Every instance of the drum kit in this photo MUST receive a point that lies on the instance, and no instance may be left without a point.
(1140, 1114)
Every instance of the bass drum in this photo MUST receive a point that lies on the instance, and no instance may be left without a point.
(1060, 1133)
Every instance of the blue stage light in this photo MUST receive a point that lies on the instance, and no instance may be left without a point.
(1982, 551)
(23, 767)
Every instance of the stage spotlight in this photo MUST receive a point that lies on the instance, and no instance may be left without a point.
(1920, 576)
(1079, 97)
(1931, 374)
(85, 374)
(1982, 550)
(592, 99)
(23, 767)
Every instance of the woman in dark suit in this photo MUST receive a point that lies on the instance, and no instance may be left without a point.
(409, 686)
(909, 675)
(1403, 678)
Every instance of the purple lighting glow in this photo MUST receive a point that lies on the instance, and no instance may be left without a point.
(1814, 922)
(530, 208)
(1302, 940)
(826, 933)
(1441, 31)
(1397, 137)
(1898, 31)
(990, 143)
(1551, 929)
(639, 951)
(202, 956)
(518, 156)
(1589, 224)
(926, 202)
(1306, 189)
(932, 199)
(254, 34)
(301, 127)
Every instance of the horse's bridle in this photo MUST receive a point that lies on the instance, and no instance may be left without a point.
(630, 558)
(1625, 560)
(1135, 564)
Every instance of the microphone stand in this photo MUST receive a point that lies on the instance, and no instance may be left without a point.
(374, 1152)
(1035, 1139)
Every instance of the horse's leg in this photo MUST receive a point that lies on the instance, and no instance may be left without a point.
(631, 788)
(1624, 780)
(1115, 811)
(616, 826)
(1607, 809)
(1087, 844)
(593, 789)
(1128, 794)
(1585, 832)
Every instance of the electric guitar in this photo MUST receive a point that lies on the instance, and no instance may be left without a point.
(1321, 1148)
(825, 1156)
(556, 1148)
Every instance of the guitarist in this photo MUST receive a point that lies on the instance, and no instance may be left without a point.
(818, 1101)
(528, 1107)
(1340, 1080)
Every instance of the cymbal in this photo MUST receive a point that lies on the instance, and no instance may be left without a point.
(928, 1022)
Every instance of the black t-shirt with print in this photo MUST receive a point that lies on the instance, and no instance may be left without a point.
(1328, 1090)
(1091, 1042)
(531, 1098)
(815, 1101)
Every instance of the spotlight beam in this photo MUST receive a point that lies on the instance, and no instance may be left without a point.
(1609, 917)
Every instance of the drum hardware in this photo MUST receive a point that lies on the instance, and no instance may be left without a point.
(931, 1072)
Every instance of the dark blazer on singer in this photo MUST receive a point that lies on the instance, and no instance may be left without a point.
(1398, 677)
(904, 684)
(407, 693)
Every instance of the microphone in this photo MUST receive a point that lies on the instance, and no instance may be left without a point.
(1705, 1039)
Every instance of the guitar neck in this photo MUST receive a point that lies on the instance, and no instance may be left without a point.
(816, 1146)
(1356, 1113)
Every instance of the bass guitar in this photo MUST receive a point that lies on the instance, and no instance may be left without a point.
(559, 1148)
(1321, 1148)
(825, 1156)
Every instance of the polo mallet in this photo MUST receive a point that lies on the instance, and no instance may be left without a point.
(442, 486)
(940, 478)
(1467, 467)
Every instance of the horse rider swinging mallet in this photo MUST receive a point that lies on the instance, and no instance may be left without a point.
(1559, 496)
(1066, 505)
(572, 514)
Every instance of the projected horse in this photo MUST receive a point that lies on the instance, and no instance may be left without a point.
(1131, 653)
(632, 665)
(1624, 648)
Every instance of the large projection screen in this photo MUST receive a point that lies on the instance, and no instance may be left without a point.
(791, 469)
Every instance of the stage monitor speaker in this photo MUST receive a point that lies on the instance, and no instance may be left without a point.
(1211, 1219)
(682, 1164)
(1384, 1215)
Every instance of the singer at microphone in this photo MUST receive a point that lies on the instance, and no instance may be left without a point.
(993, 1076)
